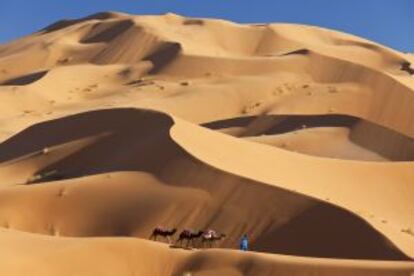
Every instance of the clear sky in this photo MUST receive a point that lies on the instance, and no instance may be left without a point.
(390, 22)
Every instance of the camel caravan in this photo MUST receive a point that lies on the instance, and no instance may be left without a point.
(188, 238)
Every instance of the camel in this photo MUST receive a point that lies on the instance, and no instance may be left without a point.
(163, 232)
(211, 236)
(189, 236)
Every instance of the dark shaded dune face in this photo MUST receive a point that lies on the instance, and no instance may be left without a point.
(164, 55)
(278, 124)
(192, 194)
(116, 123)
(26, 79)
(105, 32)
(297, 52)
(193, 21)
(283, 130)
(61, 24)
(104, 15)
(406, 67)
(122, 48)
(328, 232)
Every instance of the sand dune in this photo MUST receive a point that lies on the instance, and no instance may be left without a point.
(113, 124)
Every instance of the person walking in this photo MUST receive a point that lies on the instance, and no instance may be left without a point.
(244, 243)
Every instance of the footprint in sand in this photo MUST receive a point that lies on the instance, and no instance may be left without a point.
(283, 145)
(64, 60)
(279, 90)
(408, 231)
(288, 86)
(332, 89)
(250, 107)
(61, 192)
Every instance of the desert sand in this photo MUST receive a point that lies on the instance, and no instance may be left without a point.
(114, 124)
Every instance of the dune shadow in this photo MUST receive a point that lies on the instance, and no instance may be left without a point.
(143, 134)
(406, 67)
(386, 142)
(26, 79)
(163, 56)
(107, 32)
(297, 52)
(279, 124)
(191, 21)
(329, 232)
(61, 24)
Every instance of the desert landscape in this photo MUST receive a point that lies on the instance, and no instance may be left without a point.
(114, 124)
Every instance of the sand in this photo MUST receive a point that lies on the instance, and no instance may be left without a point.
(114, 124)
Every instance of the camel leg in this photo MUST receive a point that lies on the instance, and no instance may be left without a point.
(169, 240)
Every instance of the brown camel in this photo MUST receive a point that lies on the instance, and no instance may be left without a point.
(210, 237)
(163, 232)
(189, 236)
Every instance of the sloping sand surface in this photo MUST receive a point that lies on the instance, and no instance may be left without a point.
(123, 256)
(114, 124)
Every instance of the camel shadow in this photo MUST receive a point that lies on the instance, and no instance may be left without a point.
(175, 246)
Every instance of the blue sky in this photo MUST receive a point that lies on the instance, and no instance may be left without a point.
(386, 21)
